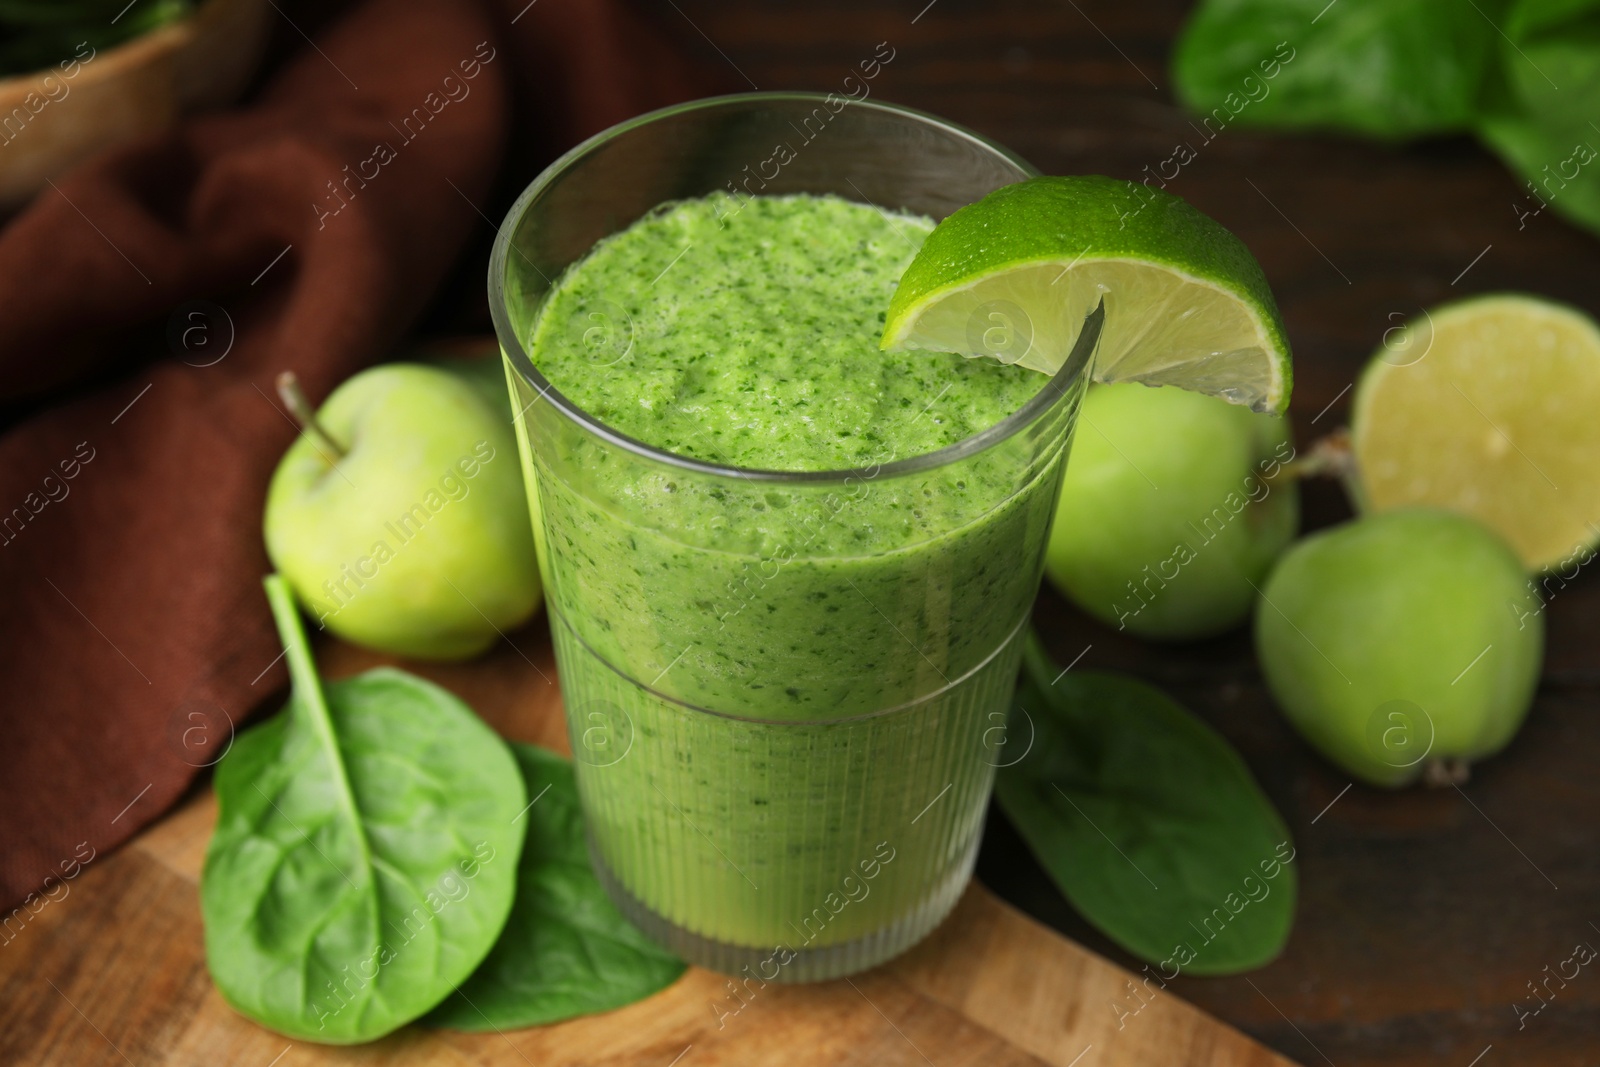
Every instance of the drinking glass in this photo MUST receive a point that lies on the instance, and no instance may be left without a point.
(786, 692)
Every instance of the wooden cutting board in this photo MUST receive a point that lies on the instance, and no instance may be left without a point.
(114, 972)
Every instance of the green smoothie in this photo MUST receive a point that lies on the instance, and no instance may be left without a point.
(785, 693)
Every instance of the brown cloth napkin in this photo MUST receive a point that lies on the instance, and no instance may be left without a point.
(135, 636)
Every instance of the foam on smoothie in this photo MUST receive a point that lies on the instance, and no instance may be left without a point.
(746, 334)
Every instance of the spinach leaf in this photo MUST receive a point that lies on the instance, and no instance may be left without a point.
(566, 950)
(1551, 60)
(1543, 120)
(365, 852)
(1558, 159)
(1523, 74)
(1385, 68)
(1149, 823)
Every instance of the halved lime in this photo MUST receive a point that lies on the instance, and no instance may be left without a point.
(1487, 407)
(1013, 276)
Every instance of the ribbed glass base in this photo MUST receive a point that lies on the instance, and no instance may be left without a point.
(793, 962)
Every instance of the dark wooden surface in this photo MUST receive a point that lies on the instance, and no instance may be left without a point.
(1424, 914)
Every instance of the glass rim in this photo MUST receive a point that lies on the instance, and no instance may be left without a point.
(1047, 397)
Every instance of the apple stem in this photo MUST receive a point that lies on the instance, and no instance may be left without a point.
(294, 398)
(1328, 457)
(1445, 772)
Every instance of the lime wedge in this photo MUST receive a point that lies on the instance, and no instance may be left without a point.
(1014, 275)
(1487, 407)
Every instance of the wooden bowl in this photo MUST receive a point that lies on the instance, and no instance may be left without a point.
(53, 118)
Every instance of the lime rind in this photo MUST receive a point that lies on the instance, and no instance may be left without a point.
(1189, 332)
(1186, 302)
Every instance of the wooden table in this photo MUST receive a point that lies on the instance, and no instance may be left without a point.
(1423, 915)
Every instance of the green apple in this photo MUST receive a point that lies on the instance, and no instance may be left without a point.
(1402, 643)
(399, 517)
(1171, 510)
